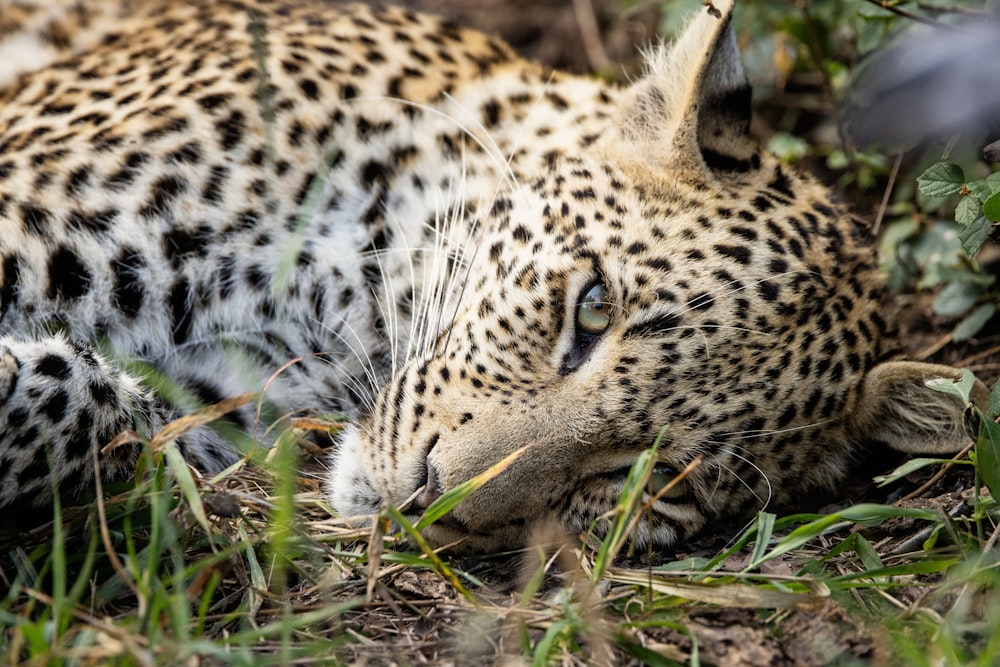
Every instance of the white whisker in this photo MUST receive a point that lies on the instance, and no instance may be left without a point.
(745, 435)
(363, 357)
(490, 150)
(765, 501)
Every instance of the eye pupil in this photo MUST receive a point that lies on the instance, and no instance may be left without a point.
(592, 314)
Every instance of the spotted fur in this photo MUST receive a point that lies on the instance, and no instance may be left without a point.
(469, 253)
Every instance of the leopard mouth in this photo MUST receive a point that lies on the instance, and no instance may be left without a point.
(665, 484)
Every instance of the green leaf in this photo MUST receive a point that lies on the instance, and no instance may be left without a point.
(689, 564)
(988, 455)
(935, 250)
(995, 401)
(547, 643)
(968, 210)
(631, 493)
(837, 160)
(910, 467)
(975, 321)
(991, 207)
(931, 540)
(866, 552)
(956, 298)
(928, 566)
(963, 274)
(980, 188)
(872, 32)
(993, 180)
(961, 389)
(413, 533)
(941, 179)
(974, 236)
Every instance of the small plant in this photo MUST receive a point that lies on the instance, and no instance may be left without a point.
(968, 291)
(983, 428)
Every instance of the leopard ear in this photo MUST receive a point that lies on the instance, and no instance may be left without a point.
(899, 409)
(692, 109)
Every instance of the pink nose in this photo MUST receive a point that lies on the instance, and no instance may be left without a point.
(432, 489)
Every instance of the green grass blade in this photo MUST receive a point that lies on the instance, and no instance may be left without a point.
(546, 644)
(765, 528)
(912, 466)
(924, 566)
(60, 604)
(186, 482)
(866, 552)
(866, 514)
(749, 534)
(436, 562)
(628, 500)
(449, 500)
(871, 514)
(258, 582)
(727, 594)
(647, 656)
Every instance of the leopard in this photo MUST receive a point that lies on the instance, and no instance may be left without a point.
(493, 270)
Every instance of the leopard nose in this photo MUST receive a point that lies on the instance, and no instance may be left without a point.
(432, 489)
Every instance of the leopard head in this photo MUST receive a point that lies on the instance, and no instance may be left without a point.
(667, 283)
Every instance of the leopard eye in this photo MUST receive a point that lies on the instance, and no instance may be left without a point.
(662, 477)
(593, 314)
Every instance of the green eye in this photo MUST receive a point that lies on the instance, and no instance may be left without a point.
(593, 314)
(663, 475)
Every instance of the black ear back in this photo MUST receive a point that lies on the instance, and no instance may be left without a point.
(692, 108)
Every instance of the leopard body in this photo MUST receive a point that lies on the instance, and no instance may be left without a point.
(374, 213)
